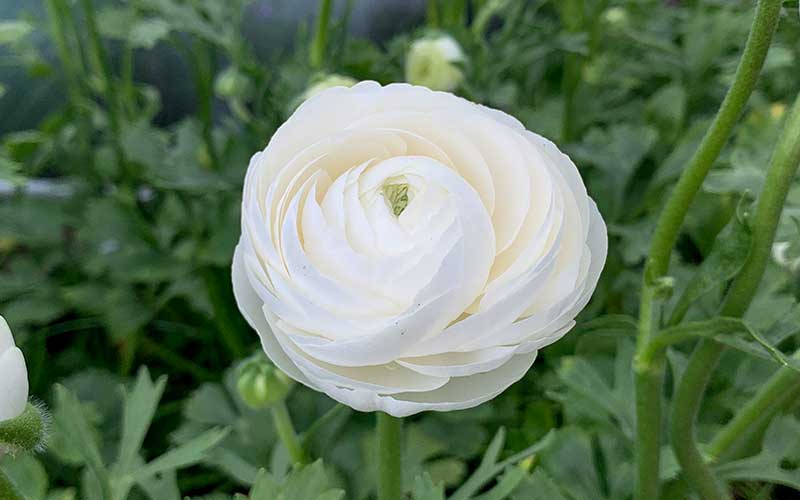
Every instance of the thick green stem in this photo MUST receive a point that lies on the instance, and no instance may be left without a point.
(685, 407)
(649, 386)
(692, 386)
(319, 44)
(673, 213)
(669, 224)
(287, 434)
(389, 477)
(7, 489)
(781, 388)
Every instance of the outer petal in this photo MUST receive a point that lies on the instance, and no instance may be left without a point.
(13, 384)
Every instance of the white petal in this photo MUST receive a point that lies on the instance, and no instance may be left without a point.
(13, 384)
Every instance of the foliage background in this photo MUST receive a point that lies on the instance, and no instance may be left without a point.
(122, 158)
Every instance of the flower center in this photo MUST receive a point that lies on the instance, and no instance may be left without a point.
(395, 192)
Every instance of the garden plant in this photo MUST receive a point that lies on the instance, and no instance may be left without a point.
(441, 250)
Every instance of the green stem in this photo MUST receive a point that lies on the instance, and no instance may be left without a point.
(572, 17)
(226, 318)
(783, 387)
(676, 207)
(389, 477)
(98, 59)
(319, 44)
(432, 14)
(649, 380)
(689, 393)
(287, 434)
(648, 438)
(203, 58)
(685, 406)
(7, 489)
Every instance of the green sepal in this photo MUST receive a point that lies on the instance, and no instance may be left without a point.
(25, 433)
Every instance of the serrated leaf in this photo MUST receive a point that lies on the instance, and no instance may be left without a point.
(139, 407)
(538, 486)
(728, 255)
(73, 424)
(768, 465)
(425, 489)
(184, 455)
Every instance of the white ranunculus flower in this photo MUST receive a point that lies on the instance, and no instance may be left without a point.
(434, 63)
(13, 376)
(406, 250)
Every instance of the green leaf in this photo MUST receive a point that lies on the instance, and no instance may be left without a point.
(729, 253)
(183, 456)
(27, 474)
(72, 423)
(489, 467)
(13, 31)
(538, 486)
(770, 464)
(720, 329)
(139, 407)
(507, 484)
(309, 482)
(146, 33)
(425, 489)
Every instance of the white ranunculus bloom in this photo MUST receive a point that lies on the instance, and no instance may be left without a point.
(434, 63)
(13, 376)
(406, 250)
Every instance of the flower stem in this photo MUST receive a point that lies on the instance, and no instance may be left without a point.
(320, 42)
(689, 393)
(572, 15)
(648, 406)
(389, 478)
(98, 60)
(287, 434)
(782, 387)
(671, 218)
(7, 489)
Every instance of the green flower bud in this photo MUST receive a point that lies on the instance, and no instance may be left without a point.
(26, 432)
(435, 63)
(233, 83)
(260, 384)
(326, 82)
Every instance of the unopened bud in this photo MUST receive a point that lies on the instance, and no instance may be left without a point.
(260, 384)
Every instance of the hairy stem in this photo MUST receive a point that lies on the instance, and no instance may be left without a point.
(692, 386)
(648, 436)
(389, 478)
(287, 434)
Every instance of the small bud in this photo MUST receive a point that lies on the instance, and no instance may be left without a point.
(27, 432)
(435, 63)
(616, 17)
(326, 82)
(260, 384)
(663, 288)
(232, 82)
